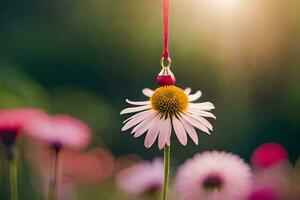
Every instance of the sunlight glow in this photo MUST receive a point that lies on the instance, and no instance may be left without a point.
(226, 6)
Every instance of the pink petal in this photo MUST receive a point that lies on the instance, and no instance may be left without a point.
(136, 115)
(143, 123)
(134, 121)
(137, 102)
(195, 123)
(190, 130)
(148, 92)
(63, 129)
(195, 96)
(153, 133)
(135, 109)
(165, 133)
(145, 126)
(179, 131)
(187, 90)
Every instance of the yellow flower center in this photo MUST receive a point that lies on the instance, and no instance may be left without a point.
(169, 100)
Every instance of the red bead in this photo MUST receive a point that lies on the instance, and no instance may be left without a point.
(166, 80)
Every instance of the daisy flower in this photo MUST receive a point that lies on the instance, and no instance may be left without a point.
(168, 107)
(13, 120)
(142, 178)
(214, 176)
(59, 131)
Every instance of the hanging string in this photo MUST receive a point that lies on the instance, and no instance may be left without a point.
(165, 76)
(166, 14)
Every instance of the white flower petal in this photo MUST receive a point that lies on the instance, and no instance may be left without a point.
(153, 132)
(148, 92)
(204, 121)
(194, 97)
(179, 131)
(203, 106)
(201, 113)
(164, 133)
(135, 120)
(195, 123)
(138, 103)
(135, 109)
(187, 90)
(190, 130)
(144, 126)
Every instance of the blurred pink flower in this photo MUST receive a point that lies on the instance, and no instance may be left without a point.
(90, 167)
(13, 120)
(272, 181)
(126, 161)
(264, 193)
(214, 176)
(269, 154)
(60, 131)
(142, 178)
(77, 168)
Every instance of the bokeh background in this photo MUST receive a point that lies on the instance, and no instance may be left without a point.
(84, 57)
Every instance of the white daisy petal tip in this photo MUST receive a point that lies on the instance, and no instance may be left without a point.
(195, 96)
(137, 103)
(212, 105)
(147, 92)
(187, 90)
(198, 92)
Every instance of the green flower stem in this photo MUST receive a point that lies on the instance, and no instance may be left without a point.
(167, 171)
(13, 179)
(157, 195)
(55, 182)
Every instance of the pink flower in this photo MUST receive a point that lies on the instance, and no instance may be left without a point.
(269, 154)
(142, 178)
(13, 120)
(77, 168)
(264, 193)
(90, 167)
(214, 176)
(60, 131)
(271, 183)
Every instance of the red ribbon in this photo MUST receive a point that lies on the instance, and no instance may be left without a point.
(166, 14)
